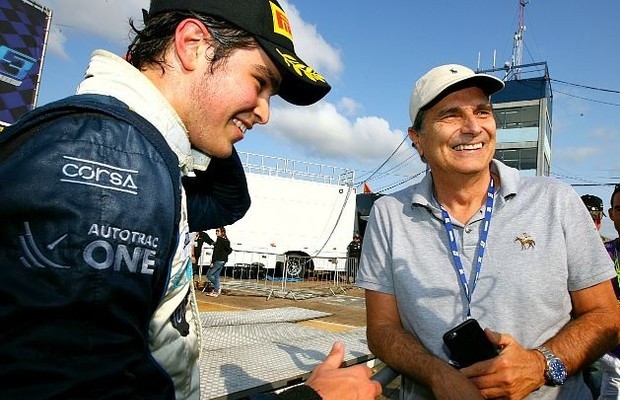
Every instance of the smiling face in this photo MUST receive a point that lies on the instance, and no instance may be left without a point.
(217, 102)
(227, 101)
(458, 134)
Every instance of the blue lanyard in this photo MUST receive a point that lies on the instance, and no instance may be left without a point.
(481, 246)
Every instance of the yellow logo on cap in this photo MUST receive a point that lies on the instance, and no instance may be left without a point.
(301, 69)
(281, 25)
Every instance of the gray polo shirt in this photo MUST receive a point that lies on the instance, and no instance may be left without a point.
(523, 289)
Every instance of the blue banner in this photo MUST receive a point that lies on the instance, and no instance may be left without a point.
(23, 34)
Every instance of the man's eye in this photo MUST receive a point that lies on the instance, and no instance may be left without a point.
(448, 116)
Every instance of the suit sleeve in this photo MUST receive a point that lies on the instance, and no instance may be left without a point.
(208, 239)
(218, 196)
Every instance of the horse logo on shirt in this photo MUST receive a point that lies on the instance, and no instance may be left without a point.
(526, 241)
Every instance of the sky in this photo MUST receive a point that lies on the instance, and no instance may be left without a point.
(372, 53)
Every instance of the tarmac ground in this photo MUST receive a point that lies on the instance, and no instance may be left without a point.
(344, 304)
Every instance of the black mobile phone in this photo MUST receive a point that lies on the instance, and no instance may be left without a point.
(468, 344)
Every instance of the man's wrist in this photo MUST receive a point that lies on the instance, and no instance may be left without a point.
(541, 366)
(555, 371)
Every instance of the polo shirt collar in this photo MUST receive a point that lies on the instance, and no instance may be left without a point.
(422, 193)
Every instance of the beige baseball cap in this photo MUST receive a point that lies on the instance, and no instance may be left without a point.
(439, 79)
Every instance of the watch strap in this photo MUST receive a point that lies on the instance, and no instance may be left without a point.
(545, 352)
(550, 359)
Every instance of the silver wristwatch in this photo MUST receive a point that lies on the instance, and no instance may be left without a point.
(555, 371)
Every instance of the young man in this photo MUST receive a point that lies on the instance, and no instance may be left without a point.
(101, 191)
(475, 239)
(354, 251)
(221, 251)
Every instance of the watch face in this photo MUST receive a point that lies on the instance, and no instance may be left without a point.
(557, 371)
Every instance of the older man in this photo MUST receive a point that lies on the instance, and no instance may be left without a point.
(475, 239)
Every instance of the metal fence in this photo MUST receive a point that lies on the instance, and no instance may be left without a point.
(274, 275)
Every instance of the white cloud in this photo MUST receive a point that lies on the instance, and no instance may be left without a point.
(108, 19)
(56, 43)
(311, 46)
(576, 155)
(605, 134)
(320, 130)
(349, 106)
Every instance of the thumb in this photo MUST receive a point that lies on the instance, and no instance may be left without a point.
(499, 339)
(494, 337)
(335, 357)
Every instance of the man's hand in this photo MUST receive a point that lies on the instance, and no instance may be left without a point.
(335, 383)
(513, 374)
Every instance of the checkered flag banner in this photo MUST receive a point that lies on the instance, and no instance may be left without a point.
(24, 26)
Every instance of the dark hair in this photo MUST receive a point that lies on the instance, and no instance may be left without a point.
(149, 44)
(417, 126)
(222, 230)
(419, 119)
(615, 192)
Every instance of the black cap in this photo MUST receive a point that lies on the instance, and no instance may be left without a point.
(593, 203)
(268, 23)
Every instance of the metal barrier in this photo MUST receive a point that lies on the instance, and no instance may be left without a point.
(287, 276)
(385, 376)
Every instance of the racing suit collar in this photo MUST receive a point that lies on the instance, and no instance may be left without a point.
(110, 75)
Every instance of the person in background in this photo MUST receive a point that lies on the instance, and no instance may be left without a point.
(354, 250)
(592, 372)
(221, 251)
(609, 364)
(99, 193)
(199, 240)
(476, 239)
(613, 246)
(594, 204)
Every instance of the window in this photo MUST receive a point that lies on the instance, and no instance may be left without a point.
(521, 159)
(517, 117)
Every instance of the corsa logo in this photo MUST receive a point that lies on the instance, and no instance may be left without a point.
(281, 26)
(92, 173)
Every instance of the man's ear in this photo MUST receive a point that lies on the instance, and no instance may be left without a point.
(191, 40)
(415, 139)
